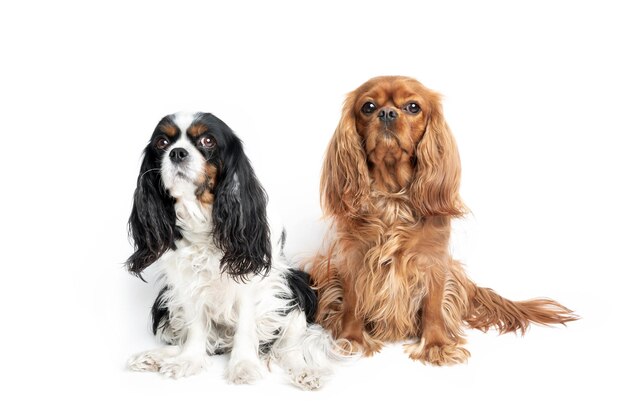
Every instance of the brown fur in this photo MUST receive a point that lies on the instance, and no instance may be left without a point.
(197, 129)
(169, 129)
(392, 190)
(205, 184)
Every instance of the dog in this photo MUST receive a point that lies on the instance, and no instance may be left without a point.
(199, 214)
(390, 185)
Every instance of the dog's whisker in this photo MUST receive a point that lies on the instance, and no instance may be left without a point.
(144, 173)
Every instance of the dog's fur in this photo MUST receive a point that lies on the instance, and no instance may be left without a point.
(200, 211)
(390, 183)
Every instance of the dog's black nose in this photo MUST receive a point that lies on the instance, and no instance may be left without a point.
(387, 114)
(178, 154)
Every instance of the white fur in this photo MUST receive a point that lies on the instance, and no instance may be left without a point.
(210, 311)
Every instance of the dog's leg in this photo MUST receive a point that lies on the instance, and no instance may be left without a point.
(353, 337)
(188, 356)
(192, 357)
(337, 307)
(442, 312)
(175, 361)
(330, 292)
(244, 366)
(351, 325)
(289, 349)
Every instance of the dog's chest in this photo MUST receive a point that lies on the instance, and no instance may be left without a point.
(392, 222)
(193, 269)
(389, 254)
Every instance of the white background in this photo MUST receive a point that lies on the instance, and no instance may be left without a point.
(534, 93)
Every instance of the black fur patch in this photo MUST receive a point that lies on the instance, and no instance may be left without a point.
(305, 296)
(160, 312)
(264, 348)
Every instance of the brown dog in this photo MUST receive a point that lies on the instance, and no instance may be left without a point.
(390, 183)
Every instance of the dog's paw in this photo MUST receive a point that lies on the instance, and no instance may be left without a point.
(306, 379)
(243, 372)
(150, 360)
(182, 366)
(364, 345)
(437, 354)
(346, 347)
(371, 345)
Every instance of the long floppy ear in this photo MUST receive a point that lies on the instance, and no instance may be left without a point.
(435, 190)
(152, 223)
(239, 215)
(345, 181)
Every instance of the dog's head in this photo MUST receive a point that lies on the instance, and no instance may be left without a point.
(197, 156)
(392, 137)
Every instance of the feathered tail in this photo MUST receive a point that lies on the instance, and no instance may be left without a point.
(488, 309)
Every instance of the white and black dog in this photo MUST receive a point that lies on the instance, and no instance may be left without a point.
(200, 211)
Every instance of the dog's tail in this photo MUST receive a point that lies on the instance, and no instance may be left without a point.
(487, 309)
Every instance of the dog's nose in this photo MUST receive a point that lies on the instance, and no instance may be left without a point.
(387, 114)
(178, 154)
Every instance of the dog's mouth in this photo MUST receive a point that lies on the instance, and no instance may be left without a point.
(181, 172)
(178, 180)
(388, 135)
(182, 176)
(387, 140)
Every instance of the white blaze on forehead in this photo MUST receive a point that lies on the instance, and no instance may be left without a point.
(183, 120)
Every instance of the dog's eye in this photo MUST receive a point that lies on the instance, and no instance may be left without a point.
(162, 143)
(207, 141)
(412, 108)
(368, 107)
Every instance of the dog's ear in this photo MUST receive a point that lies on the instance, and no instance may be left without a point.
(152, 223)
(435, 188)
(345, 182)
(239, 214)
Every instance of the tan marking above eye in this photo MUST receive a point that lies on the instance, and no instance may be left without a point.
(169, 129)
(197, 129)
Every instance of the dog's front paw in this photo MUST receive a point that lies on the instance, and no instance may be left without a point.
(150, 360)
(437, 354)
(243, 372)
(182, 366)
(307, 379)
(364, 345)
